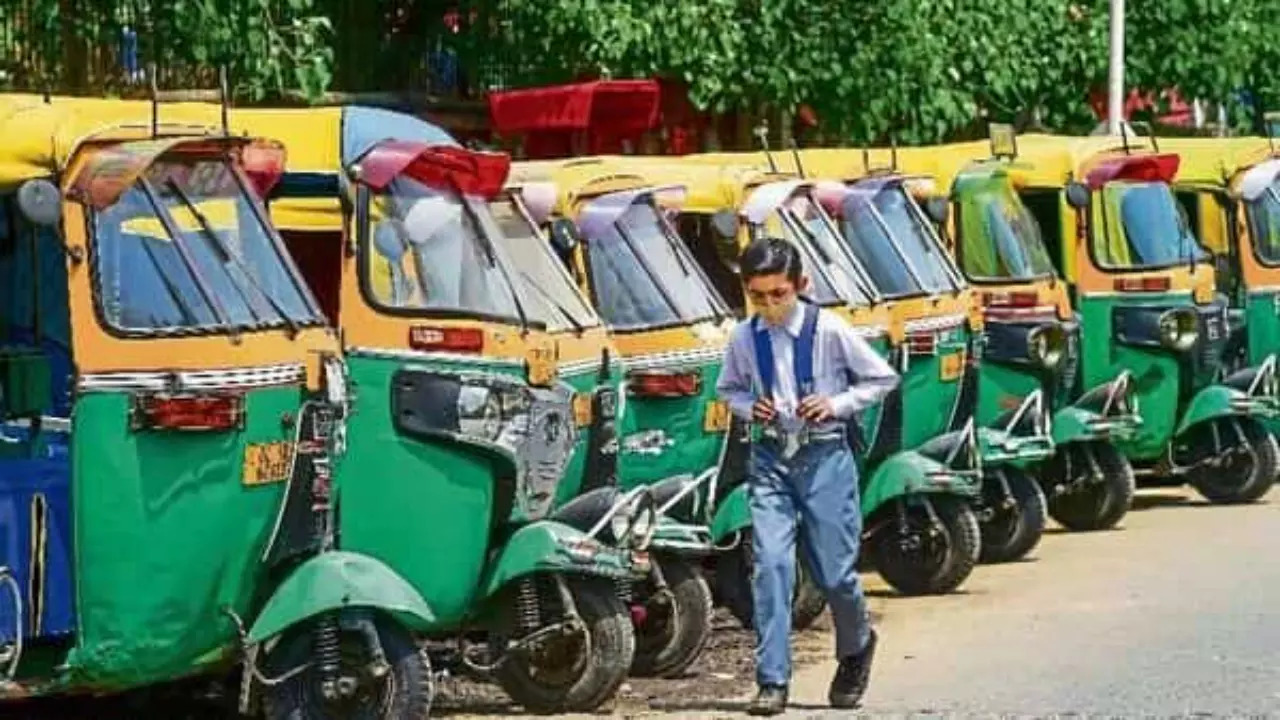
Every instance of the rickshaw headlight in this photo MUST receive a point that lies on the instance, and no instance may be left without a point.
(1178, 329)
(1046, 346)
(479, 412)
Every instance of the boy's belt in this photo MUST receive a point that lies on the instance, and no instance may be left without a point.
(790, 443)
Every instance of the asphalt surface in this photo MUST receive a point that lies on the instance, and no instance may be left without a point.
(1176, 614)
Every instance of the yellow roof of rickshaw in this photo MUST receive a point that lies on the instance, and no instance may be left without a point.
(1214, 161)
(710, 186)
(578, 178)
(41, 136)
(312, 136)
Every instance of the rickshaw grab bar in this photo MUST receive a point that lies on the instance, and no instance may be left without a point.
(624, 501)
(705, 477)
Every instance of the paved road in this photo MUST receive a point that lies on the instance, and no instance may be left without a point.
(1176, 614)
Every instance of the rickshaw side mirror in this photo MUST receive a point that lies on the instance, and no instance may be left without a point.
(40, 202)
(1077, 195)
(938, 209)
(725, 224)
(564, 237)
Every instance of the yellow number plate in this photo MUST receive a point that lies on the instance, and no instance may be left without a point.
(952, 366)
(540, 362)
(717, 419)
(266, 463)
(582, 409)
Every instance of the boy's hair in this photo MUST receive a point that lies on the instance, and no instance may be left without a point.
(771, 256)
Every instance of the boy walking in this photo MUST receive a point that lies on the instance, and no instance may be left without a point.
(802, 373)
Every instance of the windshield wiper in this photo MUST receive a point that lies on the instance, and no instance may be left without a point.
(188, 313)
(184, 252)
(578, 327)
(648, 270)
(210, 234)
(491, 254)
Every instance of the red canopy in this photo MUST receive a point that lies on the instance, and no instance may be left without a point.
(1159, 168)
(438, 166)
(605, 110)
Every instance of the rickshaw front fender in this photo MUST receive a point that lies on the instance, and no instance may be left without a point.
(733, 513)
(998, 447)
(1219, 401)
(548, 546)
(337, 580)
(911, 473)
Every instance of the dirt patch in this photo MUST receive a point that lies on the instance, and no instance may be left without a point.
(718, 681)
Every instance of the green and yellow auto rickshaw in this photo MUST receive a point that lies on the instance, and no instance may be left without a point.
(1032, 334)
(172, 407)
(610, 230)
(1144, 290)
(1229, 186)
(484, 420)
(920, 531)
(892, 237)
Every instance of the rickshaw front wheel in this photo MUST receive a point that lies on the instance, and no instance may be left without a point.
(672, 627)
(1246, 467)
(1017, 515)
(396, 687)
(577, 671)
(1099, 491)
(733, 587)
(930, 547)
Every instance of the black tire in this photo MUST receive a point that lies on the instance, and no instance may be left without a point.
(674, 634)
(593, 679)
(1097, 503)
(1246, 472)
(923, 562)
(733, 587)
(405, 693)
(1011, 532)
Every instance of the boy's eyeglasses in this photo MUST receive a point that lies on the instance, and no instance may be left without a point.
(774, 294)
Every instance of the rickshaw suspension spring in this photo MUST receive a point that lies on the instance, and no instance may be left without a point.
(528, 612)
(327, 646)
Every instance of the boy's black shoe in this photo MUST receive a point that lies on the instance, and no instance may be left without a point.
(771, 700)
(852, 677)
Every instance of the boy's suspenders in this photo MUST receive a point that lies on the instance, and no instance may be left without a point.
(802, 355)
(803, 364)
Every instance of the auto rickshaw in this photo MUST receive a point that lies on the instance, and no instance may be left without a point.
(485, 405)
(1032, 333)
(1228, 187)
(609, 229)
(1144, 290)
(920, 531)
(172, 411)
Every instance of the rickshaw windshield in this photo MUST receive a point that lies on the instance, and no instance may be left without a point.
(1144, 227)
(432, 253)
(185, 249)
(894, 244)
(1000, 239)
(833, 276)
(550, 290)
(1264, 225)
(644, 277)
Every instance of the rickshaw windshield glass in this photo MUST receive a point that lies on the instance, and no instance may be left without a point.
(643, 277)
(1144, 228)
(430, 253)
(1000, 239)
(550, 291)
(915, 238)
(184, 249)
(821, 248)
(870, 237)
(1264, 225)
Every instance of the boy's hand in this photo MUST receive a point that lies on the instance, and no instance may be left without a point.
(816, 409)
(763, 410)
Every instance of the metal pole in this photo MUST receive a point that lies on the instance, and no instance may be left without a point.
(1115, 93)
